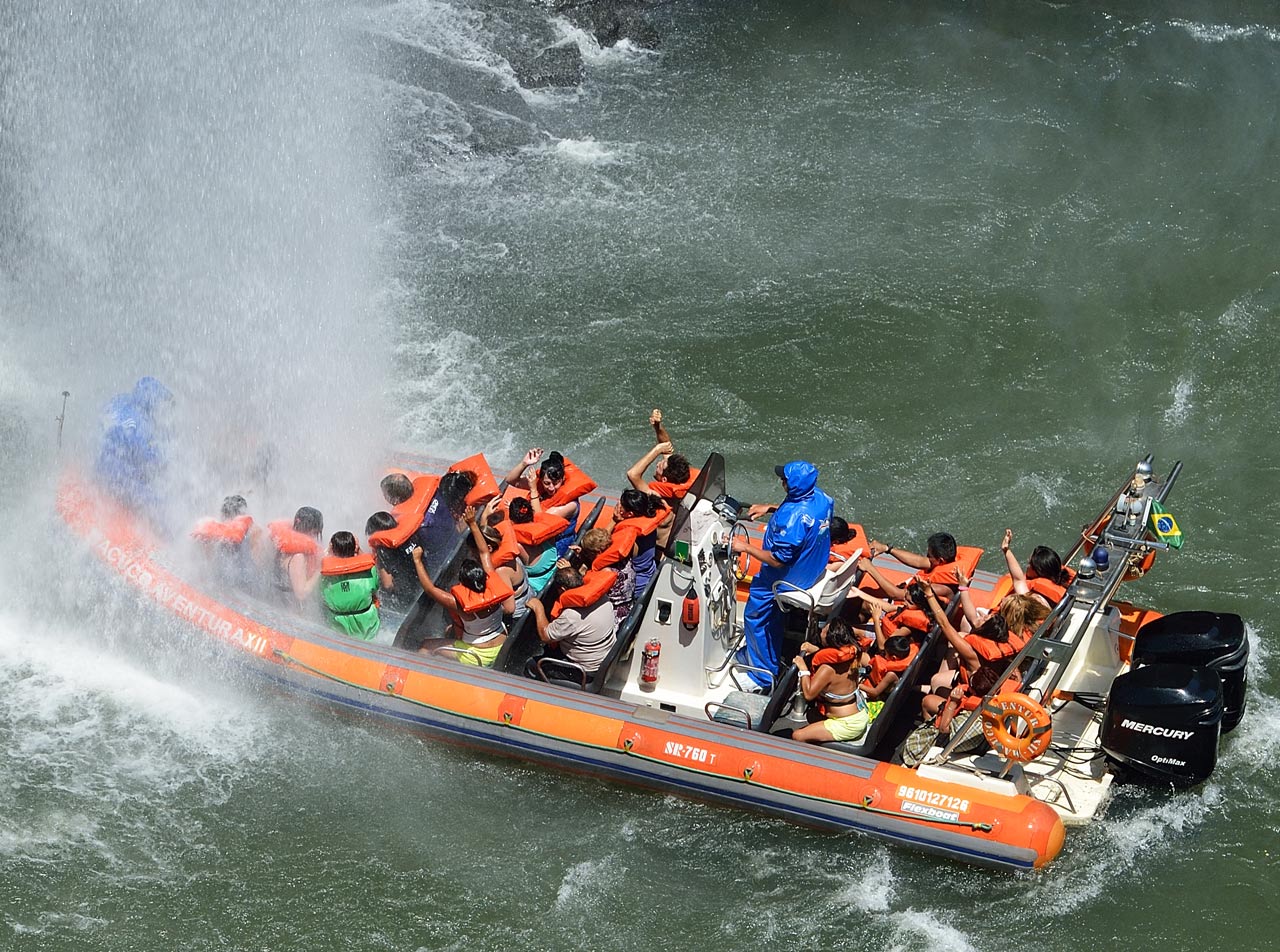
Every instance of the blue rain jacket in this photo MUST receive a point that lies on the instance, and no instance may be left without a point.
(799, 534)
(130, 456)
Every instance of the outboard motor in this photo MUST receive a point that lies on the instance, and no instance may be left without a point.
(1204, 639)
(1162, 723)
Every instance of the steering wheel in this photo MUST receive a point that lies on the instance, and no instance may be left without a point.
(738, 529)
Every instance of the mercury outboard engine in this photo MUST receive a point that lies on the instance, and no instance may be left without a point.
(1162, 723)
(1204, 639)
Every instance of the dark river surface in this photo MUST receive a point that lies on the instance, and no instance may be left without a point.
(973, 260)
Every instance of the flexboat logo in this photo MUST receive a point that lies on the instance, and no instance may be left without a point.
(1152, 729)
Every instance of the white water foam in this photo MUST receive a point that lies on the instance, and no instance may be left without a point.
(624, 52)
(1221, 32)
(1180, 406)
(92, 738)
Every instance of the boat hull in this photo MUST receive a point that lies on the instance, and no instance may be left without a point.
(585, 733)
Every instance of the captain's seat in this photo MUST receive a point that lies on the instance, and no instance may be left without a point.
(822, 599)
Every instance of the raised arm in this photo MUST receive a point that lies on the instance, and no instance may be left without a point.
(516, 476)
(893, 591)
(482, 544)
(968, 657)
(966, 601)
(635, 475)
(439, 594)
(812, 684)
(1015, 567)
(659, 431)
(910, 559)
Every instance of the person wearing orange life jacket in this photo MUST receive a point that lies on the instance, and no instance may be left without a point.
(830, 676)
(229, 543)
(477, 603)
(886, 666)
(349, 588)
(536, 534)
(987, 648)
(505, 554)
(584, 633)
(1022, 613)
(634, 537)
(583, 555)
(937, 566)
(556, 489)
(844, 540)
(435, 506)
(1045, 576)
(672, 474)
(294, 555)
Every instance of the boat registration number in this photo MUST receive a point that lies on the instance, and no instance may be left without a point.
(931, 798)
(687, 752)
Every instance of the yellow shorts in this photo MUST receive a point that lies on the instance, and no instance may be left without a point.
(469, 654)
(847, 728)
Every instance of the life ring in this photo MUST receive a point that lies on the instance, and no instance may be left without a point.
(1016, 727)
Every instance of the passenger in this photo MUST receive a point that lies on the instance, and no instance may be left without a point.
(397, 576)
(988, 647)
(557, 490)
(634, 537)
(844, 540)
(229, 543)
(436, 513)
(445, 518)
(936, 566)
(1022, 613)
(583, 634)
(505, 554)
(797, 544)
(623, 593)
(477, 603)
(131, 458)
(537, 533)
(672, 476)
(833, 683)
(349, 588)
(885, 668)
(1045, 577)
(294, 555)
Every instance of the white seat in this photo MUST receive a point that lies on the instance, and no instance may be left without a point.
(826, 595)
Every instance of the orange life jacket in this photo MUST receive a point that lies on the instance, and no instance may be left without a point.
(496, 591)
(409, 514)
(972, 701)
(674, 491)
(508, 549)
(289, 542)
(881, 665)
(1051, 592)
(833, 656)
(486, 486)
(543, 528)
(967, 557)
(576, 485)
(595, 587)
(625, 534)
(231, 532)
(359, 564)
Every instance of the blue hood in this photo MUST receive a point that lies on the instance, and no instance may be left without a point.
(802, 479)
(149, 391)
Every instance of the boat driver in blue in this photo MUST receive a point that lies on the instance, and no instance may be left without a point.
(131, 456)
(796, 546)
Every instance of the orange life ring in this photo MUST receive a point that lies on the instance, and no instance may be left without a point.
(1016, 727)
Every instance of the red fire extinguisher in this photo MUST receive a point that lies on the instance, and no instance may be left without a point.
(649, 663)
(690, 612)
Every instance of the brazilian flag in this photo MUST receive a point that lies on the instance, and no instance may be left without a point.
(1165, 527)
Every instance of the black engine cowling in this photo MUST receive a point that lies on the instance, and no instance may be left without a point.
(1203, 639)
(1162, 723)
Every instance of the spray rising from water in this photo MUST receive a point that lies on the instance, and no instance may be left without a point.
(184, 192)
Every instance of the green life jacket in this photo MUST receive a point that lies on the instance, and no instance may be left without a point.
(349, 589)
